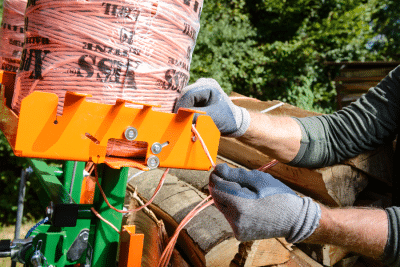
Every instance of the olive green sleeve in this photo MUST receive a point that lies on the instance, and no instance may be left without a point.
(364, 125)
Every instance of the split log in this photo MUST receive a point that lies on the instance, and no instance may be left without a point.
(327, 255)
(377, 164)
(349, 261)
(299, 258)
(265, 252)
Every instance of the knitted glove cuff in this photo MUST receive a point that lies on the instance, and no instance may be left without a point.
(243, 117)
(308, 221)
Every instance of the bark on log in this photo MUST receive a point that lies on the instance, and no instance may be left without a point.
(208, 239)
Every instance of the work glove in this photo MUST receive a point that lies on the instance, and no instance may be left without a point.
(257, 206)
(207, 95)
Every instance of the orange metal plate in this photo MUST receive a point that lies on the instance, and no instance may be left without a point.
(131, 247)
(43, 134)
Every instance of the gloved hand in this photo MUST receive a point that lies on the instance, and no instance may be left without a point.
(207, 95)
(257, 206)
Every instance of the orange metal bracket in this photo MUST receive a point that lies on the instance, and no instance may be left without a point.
(131, 247)
(83, 130)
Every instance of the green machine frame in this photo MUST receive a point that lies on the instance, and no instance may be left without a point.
(74, 234)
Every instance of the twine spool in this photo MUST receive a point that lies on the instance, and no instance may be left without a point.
(131, 49)
(12, 34)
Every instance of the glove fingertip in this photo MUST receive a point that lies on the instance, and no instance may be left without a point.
(222, 169)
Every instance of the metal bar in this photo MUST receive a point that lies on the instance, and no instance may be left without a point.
(20, 208)
(106, 239)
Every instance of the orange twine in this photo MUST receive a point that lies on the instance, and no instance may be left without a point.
(12, 34)
(130, 49)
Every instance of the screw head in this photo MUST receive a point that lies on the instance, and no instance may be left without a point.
(156, 148)
(131, 133)
(153, 162)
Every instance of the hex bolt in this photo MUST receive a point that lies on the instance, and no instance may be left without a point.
(153, 162)
(157, 147)
(131, 133)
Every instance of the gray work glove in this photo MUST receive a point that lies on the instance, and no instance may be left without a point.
(207, 95)
(257, 206)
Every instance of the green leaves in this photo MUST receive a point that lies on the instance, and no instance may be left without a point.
(10, 172)
(277, 49)
(386, 25)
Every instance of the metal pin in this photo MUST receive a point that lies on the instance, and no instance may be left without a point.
(157, 147)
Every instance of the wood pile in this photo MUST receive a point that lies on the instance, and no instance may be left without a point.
(208, 239)
(356, 78)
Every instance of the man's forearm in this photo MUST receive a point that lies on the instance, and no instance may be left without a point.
(363, 231)
(278, 137)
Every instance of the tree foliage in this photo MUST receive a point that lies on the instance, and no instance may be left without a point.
(10, 172)
(387, 25)
(277, 49)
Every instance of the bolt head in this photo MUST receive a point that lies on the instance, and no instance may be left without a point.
(156, 148)
(153, 162)
(131, 133)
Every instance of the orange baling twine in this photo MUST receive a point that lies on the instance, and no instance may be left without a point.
(12, 34)
(130, 49)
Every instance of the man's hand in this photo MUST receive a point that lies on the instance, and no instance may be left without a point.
(257, 206)
(207, 95)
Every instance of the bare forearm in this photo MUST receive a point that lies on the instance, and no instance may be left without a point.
(278, 137)
(363, 231)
